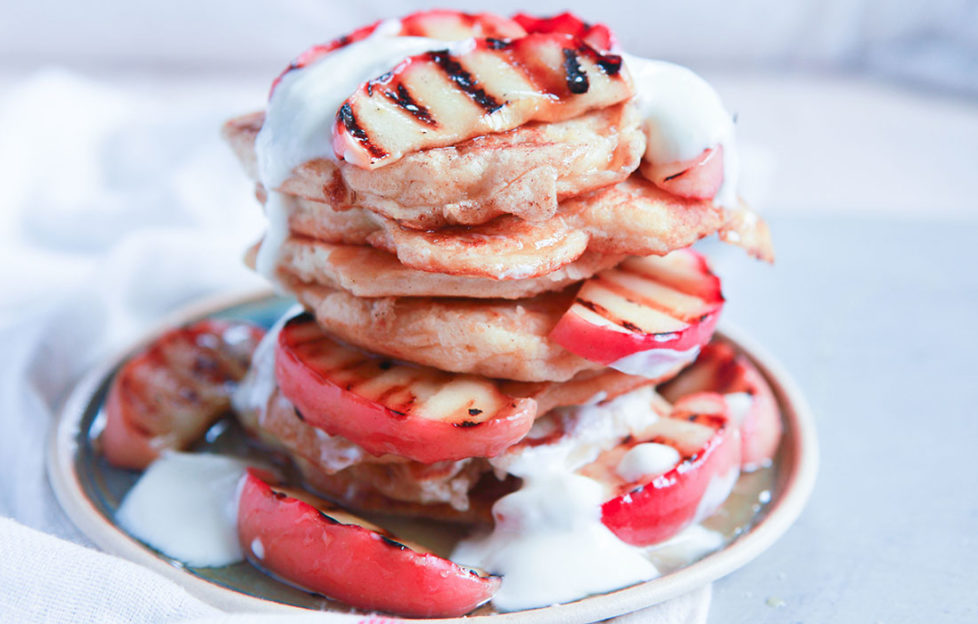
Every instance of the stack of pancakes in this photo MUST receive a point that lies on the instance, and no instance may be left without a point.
(463, 258)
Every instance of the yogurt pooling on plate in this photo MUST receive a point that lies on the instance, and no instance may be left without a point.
(185, 506)
(554, 521)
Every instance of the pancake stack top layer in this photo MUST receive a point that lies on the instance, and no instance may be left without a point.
(442, 207)
(488, 220)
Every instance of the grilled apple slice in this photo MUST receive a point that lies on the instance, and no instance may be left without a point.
(444, 97)
(169, 394)
(440, 24)
(323, 548)
(390, 407)
(598, 36)
(720, 369)
(658, 495)
(696, 178)
(646, 316)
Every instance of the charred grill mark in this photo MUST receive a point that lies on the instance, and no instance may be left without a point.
(397, 413)
(385, 365)
(574, 75)
(403, 99)
(590, 305)
(327, 518)
(606, 314)
(395, 544)
(466, 424)
(498, 44)
(299, 415)
(629, 294)
(610, 64)
(350, 123)
(676, 175)
(474, 411)
(464, 80)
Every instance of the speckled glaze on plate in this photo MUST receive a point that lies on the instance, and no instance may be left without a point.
(762, 507)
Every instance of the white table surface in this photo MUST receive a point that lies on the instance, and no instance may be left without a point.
(872, 306)
(876, 319)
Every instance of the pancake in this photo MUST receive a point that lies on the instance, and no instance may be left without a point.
(490, 337)
(633, 217)
(365, 271)
(524, 172)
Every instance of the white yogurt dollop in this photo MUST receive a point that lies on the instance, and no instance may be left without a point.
(739, 404)
(682, 116)
(186, 505)
(646, 460)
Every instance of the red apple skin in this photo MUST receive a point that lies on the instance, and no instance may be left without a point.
(167, 395)
(719, 368)
(361, 567)
(598, 36)
(697, 178)
(605, 345)
(651, 512)
(761, 428)
(381, 430)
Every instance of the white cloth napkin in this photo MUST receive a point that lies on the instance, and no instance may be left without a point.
(117, 209)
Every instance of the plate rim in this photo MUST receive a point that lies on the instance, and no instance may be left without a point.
(799, 481)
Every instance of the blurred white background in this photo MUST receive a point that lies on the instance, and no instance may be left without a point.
(922, 42)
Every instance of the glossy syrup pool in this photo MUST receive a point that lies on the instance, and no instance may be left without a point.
(106, 486)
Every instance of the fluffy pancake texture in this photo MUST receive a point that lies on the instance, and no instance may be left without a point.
(365, 271)
(632, 217)
(491, 337)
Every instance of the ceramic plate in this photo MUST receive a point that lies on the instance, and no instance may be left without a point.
(762, 507)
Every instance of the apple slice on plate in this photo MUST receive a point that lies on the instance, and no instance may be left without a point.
(385, 406)
(166, 396)
(678, 471)
(322, 548)
(647, 316)
(444, 97)
(719, 368)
